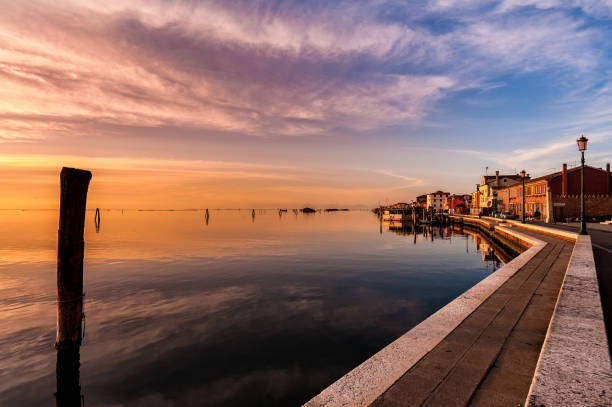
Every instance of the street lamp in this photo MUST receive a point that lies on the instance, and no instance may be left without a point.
(523, 177)
(582, 146)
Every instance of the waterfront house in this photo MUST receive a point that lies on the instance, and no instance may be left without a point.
(421, 201)
(436, 200)
(475, 202)
(488, 189)
(556, 196)
(401, 205)
(457, 204)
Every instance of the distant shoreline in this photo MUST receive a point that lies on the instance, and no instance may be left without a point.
(192, 209)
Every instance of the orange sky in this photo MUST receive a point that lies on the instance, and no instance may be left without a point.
(182, 104)
(32, 181)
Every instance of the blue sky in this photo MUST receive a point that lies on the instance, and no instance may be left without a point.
(272, 103)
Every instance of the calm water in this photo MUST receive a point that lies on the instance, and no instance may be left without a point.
(237, 312)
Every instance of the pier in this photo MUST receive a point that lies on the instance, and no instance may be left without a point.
(532, 333)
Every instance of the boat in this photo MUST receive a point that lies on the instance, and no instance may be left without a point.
(397, 214)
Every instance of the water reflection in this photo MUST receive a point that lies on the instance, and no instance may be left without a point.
(494, 251)
(264, 313)
(68, 392)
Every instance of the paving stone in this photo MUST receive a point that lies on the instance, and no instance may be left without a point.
(495, 398)
(410, 392)
(489, 359)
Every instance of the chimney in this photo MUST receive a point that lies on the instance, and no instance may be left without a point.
(564, 181)
(609, 180)
(497, 178)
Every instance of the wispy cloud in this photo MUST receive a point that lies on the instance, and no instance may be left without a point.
(257, 68)
(75, 71)
(541, 158)
(599, 8)
(205, 66)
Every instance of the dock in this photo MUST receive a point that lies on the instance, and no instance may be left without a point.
(532, 333)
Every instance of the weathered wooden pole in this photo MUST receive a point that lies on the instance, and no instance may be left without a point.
(67, 375)
(70, 247)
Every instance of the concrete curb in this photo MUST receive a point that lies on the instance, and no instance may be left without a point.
(543, 229)
(364, 384)
(574, 367)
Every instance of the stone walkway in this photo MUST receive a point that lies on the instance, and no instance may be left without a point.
(490, 358)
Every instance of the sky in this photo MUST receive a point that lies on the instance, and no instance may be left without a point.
(225, 104)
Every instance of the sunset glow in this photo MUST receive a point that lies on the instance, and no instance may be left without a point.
(195, 104)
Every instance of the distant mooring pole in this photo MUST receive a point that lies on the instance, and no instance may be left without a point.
(70, 247)
(97, 220)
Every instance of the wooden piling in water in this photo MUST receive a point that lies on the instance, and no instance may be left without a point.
(67, 375)
(70, 248)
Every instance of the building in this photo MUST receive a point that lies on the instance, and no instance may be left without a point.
(556, 196)
(457, 204)
(400, 205)
(421, 201)
(486, 191)
(436, 200)
(475, 202)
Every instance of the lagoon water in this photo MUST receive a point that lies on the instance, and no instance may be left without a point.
(240, 312)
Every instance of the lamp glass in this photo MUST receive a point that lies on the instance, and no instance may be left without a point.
(582, 143)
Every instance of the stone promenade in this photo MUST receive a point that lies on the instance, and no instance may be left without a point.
(490, 358)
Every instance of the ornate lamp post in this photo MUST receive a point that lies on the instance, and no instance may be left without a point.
(582, 146)
(523, 177)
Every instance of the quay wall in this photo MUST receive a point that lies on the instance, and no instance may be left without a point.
(506, 245)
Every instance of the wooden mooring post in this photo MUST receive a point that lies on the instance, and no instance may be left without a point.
(70, 248)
